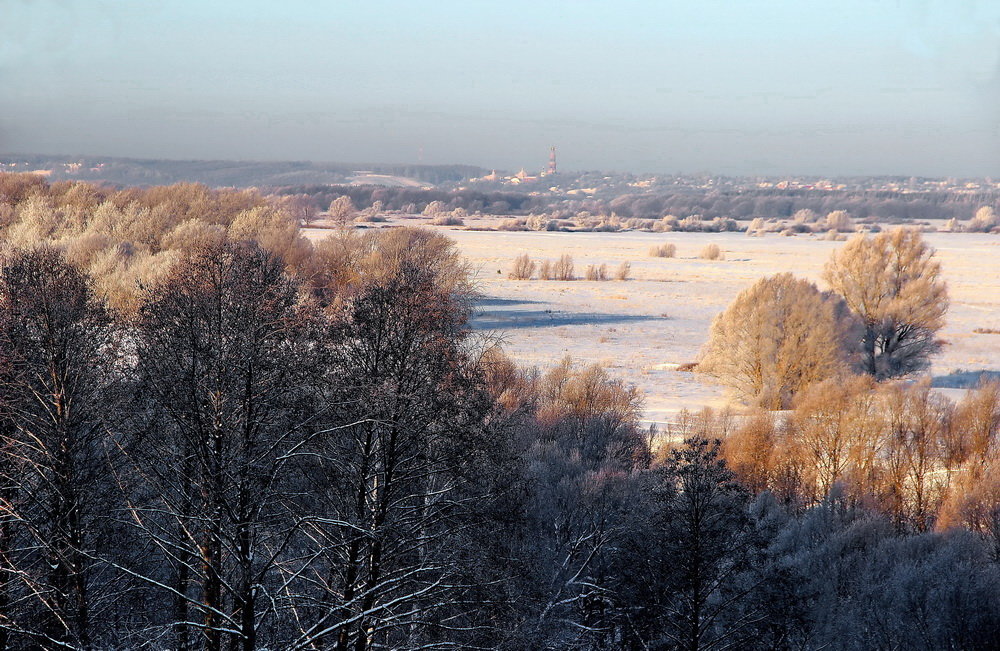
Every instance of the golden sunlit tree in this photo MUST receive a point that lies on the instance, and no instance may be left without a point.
(894, 285)
(778, 337)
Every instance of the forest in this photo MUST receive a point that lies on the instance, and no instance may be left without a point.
(218, 434)
(658, 202)
(158, 171)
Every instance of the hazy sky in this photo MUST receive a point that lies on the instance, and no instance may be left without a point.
(730, 86)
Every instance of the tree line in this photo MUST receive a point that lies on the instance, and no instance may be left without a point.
(742, 205)
(243, 174)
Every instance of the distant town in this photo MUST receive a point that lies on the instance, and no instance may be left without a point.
(540, 180)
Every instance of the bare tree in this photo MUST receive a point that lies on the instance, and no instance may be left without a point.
(750, 450)
(837, 433)
(563, 268)
(58, 347)
(524, 268)
(385, 557)
(226, 360)
(893, 284)
(917, 431)
(300, 207)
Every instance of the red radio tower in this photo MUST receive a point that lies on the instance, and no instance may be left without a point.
(552, 160)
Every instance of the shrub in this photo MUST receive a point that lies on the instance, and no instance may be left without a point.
(711, 252)
(805, 216)
(624, 269)
(692, 224)
(538, 222)
(840, 221)
(513, 225)
(523, 269)
(756, 227)
(668, 250)
(563, 268)
(984, 221)
(447, 220)
(610, 224)
(666, 224)
(723, 224)
(545, 270)
(597, 272)
(369, 218)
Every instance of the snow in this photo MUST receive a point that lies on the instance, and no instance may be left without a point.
(643, 328)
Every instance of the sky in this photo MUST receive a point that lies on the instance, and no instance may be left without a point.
(757, 87)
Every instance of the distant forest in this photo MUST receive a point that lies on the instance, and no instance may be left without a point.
(324, 182)
(740, 205)
(227, 173)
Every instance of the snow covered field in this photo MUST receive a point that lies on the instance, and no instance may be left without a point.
(641, 329)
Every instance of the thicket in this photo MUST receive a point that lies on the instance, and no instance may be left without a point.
(901, 449)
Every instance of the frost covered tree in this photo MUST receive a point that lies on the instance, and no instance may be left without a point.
(778, 337)
(385, 558)
(226, 358)
(434, 208)
(892, 283)
(805, 216)
(839, 221)
(56, 343)
(342, 210)
(710, 541)
(984, 221)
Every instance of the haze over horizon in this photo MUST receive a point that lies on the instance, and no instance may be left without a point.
(906, 87)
